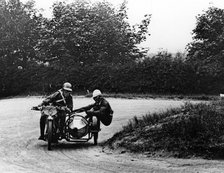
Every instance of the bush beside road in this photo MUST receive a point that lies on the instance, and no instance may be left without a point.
(193, 130)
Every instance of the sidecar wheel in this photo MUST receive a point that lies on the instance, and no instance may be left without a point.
(95, 138)
(49, 134)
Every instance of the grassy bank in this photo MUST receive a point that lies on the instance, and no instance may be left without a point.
(163, 96)
(192, 130)
(129, 96)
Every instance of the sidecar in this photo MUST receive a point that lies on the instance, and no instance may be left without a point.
(77, 127)
(80, 129)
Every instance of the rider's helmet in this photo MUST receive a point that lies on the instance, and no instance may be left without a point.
(96, 93)
(67, 86)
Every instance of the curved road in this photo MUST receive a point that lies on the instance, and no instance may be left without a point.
(21, 152)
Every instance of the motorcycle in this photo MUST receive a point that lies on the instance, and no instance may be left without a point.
(77, 127)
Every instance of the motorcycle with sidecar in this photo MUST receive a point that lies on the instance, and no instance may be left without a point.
(77, 127)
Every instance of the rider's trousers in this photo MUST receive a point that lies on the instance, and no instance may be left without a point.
(61, 119)
(42, 124)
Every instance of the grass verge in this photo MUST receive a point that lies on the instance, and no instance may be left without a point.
(163, 96)
(191, 130)
(127, 96)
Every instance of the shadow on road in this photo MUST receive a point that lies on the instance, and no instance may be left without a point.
(69, 146)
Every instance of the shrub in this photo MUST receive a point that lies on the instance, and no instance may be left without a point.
(193, 129)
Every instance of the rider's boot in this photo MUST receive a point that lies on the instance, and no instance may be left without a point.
(41, 138)
(61, 129)
(42, 128)
(61, 133)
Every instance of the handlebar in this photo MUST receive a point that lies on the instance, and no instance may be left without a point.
(78, 110)
(36, 108)
(62, 108)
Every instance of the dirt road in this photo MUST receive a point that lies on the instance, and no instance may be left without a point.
(21, 152)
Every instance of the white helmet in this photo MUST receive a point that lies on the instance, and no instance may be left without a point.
(67, 86)
(96, 93)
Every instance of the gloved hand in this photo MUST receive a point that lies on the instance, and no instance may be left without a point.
(76, 110)
(64, 108)
(89, 112)
(35, 108)
(68, 110)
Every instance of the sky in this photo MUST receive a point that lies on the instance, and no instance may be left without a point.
(172, 21)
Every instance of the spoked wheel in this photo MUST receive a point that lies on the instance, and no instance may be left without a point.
(95, 138)
(49, 134)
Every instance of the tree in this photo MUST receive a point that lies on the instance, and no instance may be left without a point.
(81, 33)
(206, 52)
(207, 48)
(19, 32)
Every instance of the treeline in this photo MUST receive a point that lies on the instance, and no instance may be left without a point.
(161, 74)
(94, 46)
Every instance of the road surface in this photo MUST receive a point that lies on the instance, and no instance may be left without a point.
(21, 152)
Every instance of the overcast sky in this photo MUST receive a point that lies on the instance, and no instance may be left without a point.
(171, 24)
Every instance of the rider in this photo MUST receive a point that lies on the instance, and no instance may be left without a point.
(101, 108)
(62, 98)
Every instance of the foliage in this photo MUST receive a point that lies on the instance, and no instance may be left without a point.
(19, 32)
(205, 53)
(41, 52)
(207, 46)
(81, 33)
(94, 46)
(194, 129)
(159, 74)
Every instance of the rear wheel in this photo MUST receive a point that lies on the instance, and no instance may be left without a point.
(49, 134)
(95, 138)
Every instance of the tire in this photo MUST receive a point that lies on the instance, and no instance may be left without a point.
(95, 138)
(49, 133)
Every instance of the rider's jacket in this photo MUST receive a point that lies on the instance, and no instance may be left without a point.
(102, 110)
(58, 99)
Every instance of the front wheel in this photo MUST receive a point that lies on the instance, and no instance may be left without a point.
(49, 133)
(95, 138)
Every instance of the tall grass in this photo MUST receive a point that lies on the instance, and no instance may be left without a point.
(193, 129)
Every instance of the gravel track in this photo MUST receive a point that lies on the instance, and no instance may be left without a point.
(21, 152)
